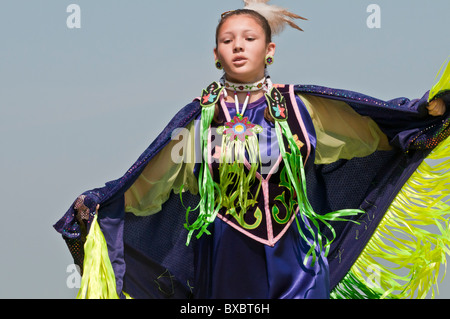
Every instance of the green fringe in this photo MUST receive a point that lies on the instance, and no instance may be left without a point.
(98, 281)
(297, 180)
(351, 287)
(209, 204)
(443, 84)
(234, 181)
(407, 252)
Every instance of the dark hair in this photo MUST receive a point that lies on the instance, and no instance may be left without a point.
(257, 16)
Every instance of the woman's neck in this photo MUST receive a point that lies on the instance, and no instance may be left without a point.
(254, 96)
(241, 94)
(245, 80)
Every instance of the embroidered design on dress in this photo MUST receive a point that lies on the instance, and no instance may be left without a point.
(239, 128)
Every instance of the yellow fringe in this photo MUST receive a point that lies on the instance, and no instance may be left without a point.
(443, 84)
(98, 281)
(405, 255)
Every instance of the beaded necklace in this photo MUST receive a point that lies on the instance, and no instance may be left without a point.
(262, 84)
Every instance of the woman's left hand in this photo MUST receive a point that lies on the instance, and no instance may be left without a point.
(436, 107)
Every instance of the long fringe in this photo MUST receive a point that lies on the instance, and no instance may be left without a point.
(98, 281)
(407, 253)
(443, 84)
(234, 181)
(353, 288)
(209, 204)
(296, 179)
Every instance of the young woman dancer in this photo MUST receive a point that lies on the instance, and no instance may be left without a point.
(258, 190)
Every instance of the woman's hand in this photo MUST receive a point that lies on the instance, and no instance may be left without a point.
(436, 107)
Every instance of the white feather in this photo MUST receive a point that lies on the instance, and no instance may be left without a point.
(277, 17)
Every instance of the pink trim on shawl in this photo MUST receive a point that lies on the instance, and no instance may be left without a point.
(300, 121)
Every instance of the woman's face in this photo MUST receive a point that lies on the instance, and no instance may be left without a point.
(242, 48)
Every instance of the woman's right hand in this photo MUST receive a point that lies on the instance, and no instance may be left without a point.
(436, 107)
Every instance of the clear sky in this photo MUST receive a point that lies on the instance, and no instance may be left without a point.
(78, 106)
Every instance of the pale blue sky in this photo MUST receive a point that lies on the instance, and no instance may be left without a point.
(78, 106)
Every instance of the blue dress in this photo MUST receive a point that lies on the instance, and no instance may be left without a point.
(230, 264)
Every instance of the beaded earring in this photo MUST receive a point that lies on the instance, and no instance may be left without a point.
(269, 60)
(219, 65)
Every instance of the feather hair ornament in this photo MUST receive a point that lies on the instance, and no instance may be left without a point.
(277, 17)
